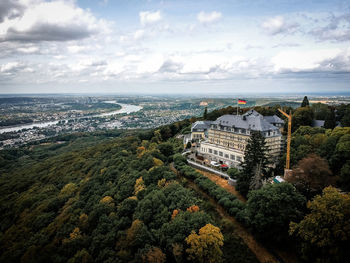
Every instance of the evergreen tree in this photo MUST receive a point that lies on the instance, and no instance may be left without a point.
(205, 114)
(329, 122)
(255, 158)
(305, 102)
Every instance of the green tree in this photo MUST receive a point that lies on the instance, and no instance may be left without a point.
(325, 231)
(254, 156)
(345, 176)
(271, 208)
(205, 114)
(233, 172)
(302, 117)
(329, 122)
(166, 149)
(305, 102)
(206, 246)
(320, 110)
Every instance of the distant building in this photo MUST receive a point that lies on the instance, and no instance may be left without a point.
(203, 103)
(228, 136)
(318, 123)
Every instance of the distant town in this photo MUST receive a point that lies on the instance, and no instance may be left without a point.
(26, 118)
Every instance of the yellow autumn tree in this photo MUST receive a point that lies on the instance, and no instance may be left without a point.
(75, 234)
(139, 185)
(157, 162)
(68, 190)
(206, 246)
(162, 183)
(108, 200)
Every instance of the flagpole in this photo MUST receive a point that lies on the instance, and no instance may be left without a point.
(237, 107)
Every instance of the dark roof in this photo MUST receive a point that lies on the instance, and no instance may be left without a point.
(270, 119)
(201, 125)
(252, 113)
(252, 121)
(317, 123)
(274, 119)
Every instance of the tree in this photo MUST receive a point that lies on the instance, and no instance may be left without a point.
(206, 246)
(254, 155)
(233, 172)
(320, 110)
(139, 185)
(305, 102)
(271, 208)
(205, 114)
(311, 175)
(345, 176)
(302, 117)
(325, 231)
(166, 149)
(193, 208)
(81, 256)
(137, 235)
(154, 255)
(330, 122)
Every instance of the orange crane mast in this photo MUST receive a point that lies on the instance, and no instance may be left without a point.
(289, 138)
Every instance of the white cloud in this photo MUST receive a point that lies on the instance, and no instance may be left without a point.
(148, 18)
(28, 50)
(305, 61)
(51, 21)
(206, 18)
(76, 49)
(139, 34)
(14, 67)
(277, 25)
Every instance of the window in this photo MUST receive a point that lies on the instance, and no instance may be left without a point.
(226, 156)
(215, 152)
(239, 158)
(210, 150)
(221, 154)
(232, 157)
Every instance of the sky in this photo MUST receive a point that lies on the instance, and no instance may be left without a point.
(174, 46)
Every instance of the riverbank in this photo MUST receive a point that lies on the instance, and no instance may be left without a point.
(125, 109)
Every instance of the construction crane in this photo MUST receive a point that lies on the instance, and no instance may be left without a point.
(289, 138)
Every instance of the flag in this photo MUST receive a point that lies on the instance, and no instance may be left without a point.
(242, 101)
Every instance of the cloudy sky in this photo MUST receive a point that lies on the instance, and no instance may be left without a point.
(174, 46)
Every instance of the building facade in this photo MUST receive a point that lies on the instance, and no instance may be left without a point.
(228, 137)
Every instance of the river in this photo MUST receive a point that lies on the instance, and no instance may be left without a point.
(126, 108)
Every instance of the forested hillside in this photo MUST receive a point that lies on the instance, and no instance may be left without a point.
(114, 201)
(130, 196)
